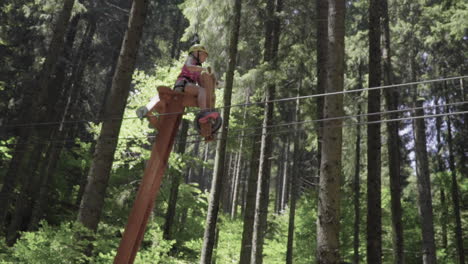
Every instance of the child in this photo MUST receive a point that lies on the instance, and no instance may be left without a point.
(189, 82)
(189, 78)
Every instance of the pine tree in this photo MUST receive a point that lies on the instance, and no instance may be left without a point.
(328, 223)
(219, 170)
(98, 177)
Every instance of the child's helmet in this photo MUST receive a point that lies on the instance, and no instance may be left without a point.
(198, 47)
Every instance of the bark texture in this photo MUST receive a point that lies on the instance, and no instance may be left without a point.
(322, 50)
(295, 183)
(374, 213)
(171, 208)
(42, 107)
(393, 142)
(328, 222)
(272, 32)
(424, 188)
(249, 212)
(219, 170)
(98, 177)
(455, 194)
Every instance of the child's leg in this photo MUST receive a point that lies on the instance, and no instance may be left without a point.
(198, 91)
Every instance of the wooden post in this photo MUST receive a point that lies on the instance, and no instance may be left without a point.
(150, 184)
(171, 105)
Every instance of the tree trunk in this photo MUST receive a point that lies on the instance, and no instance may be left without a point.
(463, 149)
(116, 41)
(171, 208)
(455, 194)
(235, 191)
(249, 212)
(228, 184)
(218, 174)
(73, 88)
(357, 189)
(37, 111)
(243, 191)
(279, 179)
(93, 198)
(393, 143)
(322, 51)
(191, 170)
(441, 169)
(374, 214)
(29, 179)
(10, 179)
(176, 37)
(272, 33)
(203, 175)
(39, 199)
(294, 185)
(285, 181)
(328, 222)
(424, 187)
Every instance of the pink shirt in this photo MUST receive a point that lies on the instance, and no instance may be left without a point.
(193, 76)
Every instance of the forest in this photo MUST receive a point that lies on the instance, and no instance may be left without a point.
(344, 134)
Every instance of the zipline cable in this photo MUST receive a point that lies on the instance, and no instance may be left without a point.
(303, 129)
(292, 123)
(289, 124)
(248, 104)
(304, 122)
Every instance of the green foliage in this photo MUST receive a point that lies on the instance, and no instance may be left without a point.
(154, 248)
(5, 152)
(5, 252)
(305, 229)
(50, 245)
(62, 245)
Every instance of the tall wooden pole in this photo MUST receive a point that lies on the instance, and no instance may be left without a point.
(151, 182)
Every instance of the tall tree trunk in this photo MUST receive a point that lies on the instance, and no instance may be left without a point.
(116, 41)
(191, 172)
(177, 177)
(322, 51)
(393, 143)
(294, 185)
(357, 180)
(249, 212)
(455, 193)
(228, 184)
(328, 222)
(36, 112)
(441, 169)
(357, 190)
(243, 189)
(374, 213)
(424, 187)
(285, 181)
(218, 174)
(279, 179)
(177, 34)
(203, 175)
(10, 179)
(98, 177)
(272, 32)
(74, 89)
(463, 149)
(235, 189)
(29, 179)
(47, 95)
(422, 170)
(39, 199)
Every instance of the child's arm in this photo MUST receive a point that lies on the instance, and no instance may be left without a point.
(195, 68)
(192, 65)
